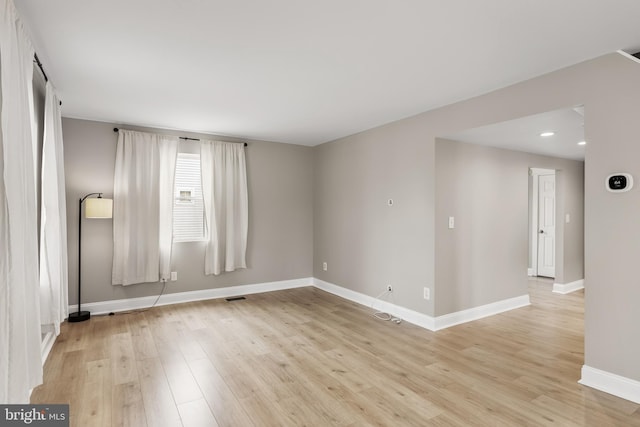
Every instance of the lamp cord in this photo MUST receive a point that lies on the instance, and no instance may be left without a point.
(382, 315)
(142, 310)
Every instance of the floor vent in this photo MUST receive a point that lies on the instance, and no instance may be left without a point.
(234, 299)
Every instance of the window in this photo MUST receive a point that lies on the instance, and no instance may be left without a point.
(185, 195)
(188, 207)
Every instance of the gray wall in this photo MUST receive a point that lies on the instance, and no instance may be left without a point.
(366, 243)
(280, 219)
(355, 175)
(485, 257)
(570, 200)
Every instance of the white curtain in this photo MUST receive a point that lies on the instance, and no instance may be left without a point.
(54, 300)
(20, 353)
(143, 207)
(226, 206)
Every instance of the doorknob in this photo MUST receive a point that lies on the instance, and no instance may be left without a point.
(541, 231)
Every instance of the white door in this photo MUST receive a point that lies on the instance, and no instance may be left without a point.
(547, 225)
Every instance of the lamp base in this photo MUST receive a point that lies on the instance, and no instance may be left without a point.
(79, 316)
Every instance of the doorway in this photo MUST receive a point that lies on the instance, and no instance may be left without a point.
(542, 208)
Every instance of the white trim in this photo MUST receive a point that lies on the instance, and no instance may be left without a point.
(566, 288)
(47, 344)
(420, 319)
(542, 171)
(530, 272)
(406, 314)
(113, 306)
(533, 244)
(628, 56)
(486, 310)
(411, 316)
(535, 173)
(616, 385)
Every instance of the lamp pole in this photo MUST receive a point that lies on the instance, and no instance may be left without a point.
(81, 316)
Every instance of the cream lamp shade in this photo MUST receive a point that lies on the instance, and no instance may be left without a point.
(98, 208)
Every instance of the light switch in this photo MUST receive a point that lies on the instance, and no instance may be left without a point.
(451, 222)
(567, 218)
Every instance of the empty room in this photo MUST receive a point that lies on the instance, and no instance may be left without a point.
(294, 213)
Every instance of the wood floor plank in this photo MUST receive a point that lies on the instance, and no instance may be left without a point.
(196, 414)
(193, 318)
(96, 395)
(159, 406)
(181, 381)
(226, 408)
(305, 357)
(127, 407)
(123, 358)
(185, 340)
(142, 338)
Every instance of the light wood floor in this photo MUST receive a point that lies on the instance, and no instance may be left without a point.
(307, 358)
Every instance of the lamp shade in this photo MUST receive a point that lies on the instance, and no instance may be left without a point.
(98, 208)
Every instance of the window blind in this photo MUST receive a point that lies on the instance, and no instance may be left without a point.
(188, 210)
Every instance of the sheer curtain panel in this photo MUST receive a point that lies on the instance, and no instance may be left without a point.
(143, 207)
(226, 206)
(54, 299)
(20, 353)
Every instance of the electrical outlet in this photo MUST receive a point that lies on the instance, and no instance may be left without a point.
(389, 288)
(174, 276)
(324, 266)
(427, 293)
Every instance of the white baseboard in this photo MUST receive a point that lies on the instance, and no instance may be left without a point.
(420, 319)
(47, 344)
(530, 272)
(567, 288)
(411, 316)
(616, 385)
(114, 306)
(479, 312)
(406, 314)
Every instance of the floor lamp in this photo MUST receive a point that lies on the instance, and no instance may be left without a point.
(95, 207)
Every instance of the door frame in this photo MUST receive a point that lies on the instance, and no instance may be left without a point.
(533, 244)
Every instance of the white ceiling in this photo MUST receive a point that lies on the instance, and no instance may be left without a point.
(306, 72)
(523, 134)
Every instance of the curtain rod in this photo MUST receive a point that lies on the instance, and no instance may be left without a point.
(39, 64)
(181, 137)
(37, 61)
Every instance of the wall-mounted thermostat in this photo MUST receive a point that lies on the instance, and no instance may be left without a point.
(619, 182)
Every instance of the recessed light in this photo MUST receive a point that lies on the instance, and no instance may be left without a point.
(582, 143)
(545, 134)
